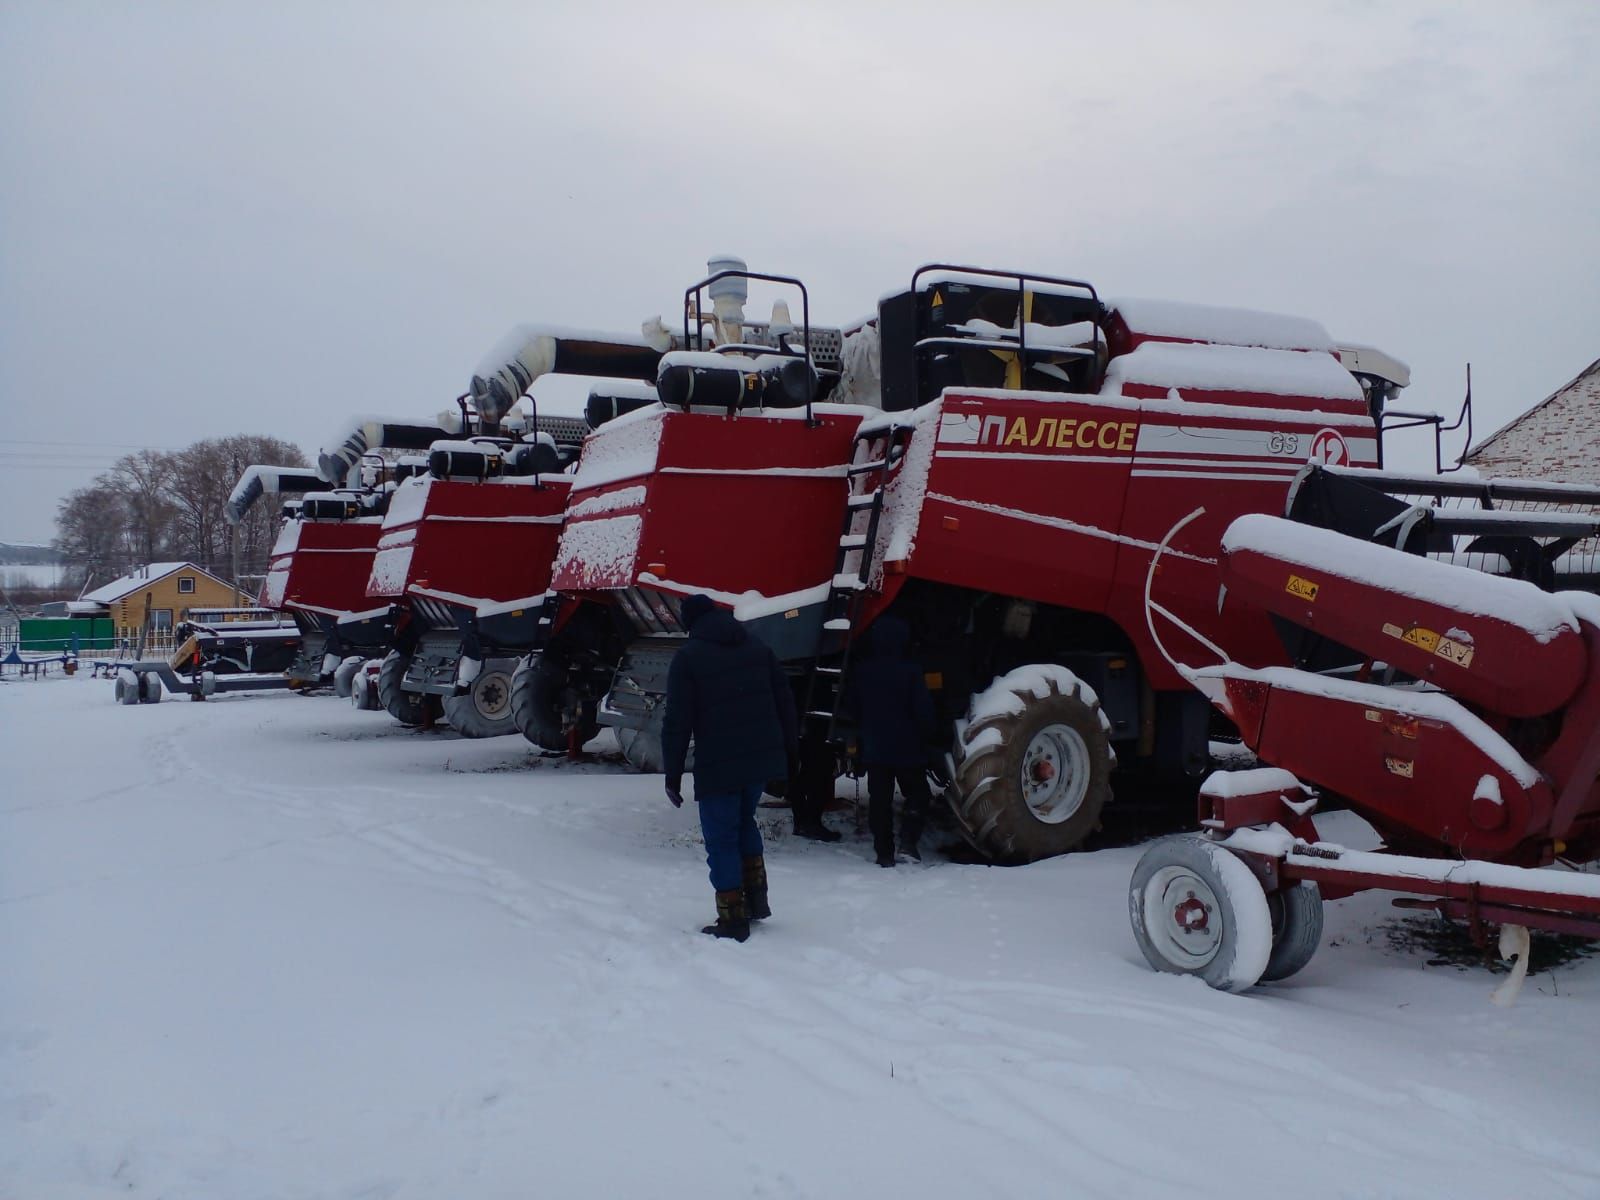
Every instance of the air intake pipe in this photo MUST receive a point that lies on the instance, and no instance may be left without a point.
(338, 458)
(531, 351)
(258, 480)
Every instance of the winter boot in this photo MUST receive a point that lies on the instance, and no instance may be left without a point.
(815, 830)
(755, 889)
(731, 922)
(911, 835)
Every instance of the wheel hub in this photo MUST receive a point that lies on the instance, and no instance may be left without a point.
(491, 695)
(1180, 906)
(1055, 773)
(1191, 915)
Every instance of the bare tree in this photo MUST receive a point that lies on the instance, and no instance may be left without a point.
(91, 533)
(152, 506)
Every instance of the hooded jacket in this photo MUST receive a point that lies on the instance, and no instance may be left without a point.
(726, 690)
(889, 701)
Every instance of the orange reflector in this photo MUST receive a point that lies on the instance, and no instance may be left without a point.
(952, 522)
(656, 569)
(897, 567)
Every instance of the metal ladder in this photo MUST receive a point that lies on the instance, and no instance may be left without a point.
(873, 456)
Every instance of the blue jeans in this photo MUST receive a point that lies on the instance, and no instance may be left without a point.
(728, 821)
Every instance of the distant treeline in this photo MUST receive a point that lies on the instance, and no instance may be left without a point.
(168, 507)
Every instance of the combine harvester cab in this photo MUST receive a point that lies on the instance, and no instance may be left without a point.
(1442, 683)
(1023, 452)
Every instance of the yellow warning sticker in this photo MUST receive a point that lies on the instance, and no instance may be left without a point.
(1400, 766)
(1303, 588)
(1423, 639)
(938, 299)
(1455, 651)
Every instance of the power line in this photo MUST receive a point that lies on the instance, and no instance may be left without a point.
(87, 445)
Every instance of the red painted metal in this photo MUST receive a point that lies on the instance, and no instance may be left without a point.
(321, 566)
(725, 504)
(479, 541)
(1478, 656)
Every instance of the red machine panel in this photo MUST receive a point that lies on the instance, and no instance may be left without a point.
(1423, 769)
(1494, 642)
(708, 501)
(322, 565)
(483, 541)
(1064, 499)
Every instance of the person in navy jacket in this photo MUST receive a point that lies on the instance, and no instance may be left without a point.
(726, 691)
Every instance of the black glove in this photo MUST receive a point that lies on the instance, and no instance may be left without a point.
(674, 790)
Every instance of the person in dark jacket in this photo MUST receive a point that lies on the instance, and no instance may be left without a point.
(889, 701)
(726, 691)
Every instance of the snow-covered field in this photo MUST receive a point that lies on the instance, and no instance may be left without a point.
(269, 946)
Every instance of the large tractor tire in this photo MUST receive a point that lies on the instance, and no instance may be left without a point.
(546, 709)
(1197, 910)
(641, 750)
(484, 710)
(409, 708)
(1031, 767)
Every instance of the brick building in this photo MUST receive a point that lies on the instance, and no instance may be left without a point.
(1556, 439)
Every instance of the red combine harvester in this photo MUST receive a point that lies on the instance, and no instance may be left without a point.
(994, 456)
(477, 531)
(321, 560)
(1441, 687)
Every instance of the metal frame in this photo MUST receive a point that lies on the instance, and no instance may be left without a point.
(1022, 280)
(691, 304)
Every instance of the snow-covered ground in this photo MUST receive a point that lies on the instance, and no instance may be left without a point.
(269, 946)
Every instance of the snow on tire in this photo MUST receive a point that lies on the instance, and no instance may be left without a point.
(1030, 770)
(1198, 910)
(484, 711)
(126, 689)
(344, 676)
(1296, 929)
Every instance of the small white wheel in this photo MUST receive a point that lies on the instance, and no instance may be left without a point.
(1198, 910)
(1296, 929)
(149, 688)
(344, 675)
(126, 688)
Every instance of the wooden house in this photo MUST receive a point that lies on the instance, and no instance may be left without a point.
(165, 592)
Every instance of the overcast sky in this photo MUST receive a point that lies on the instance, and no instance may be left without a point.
(220, 218)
